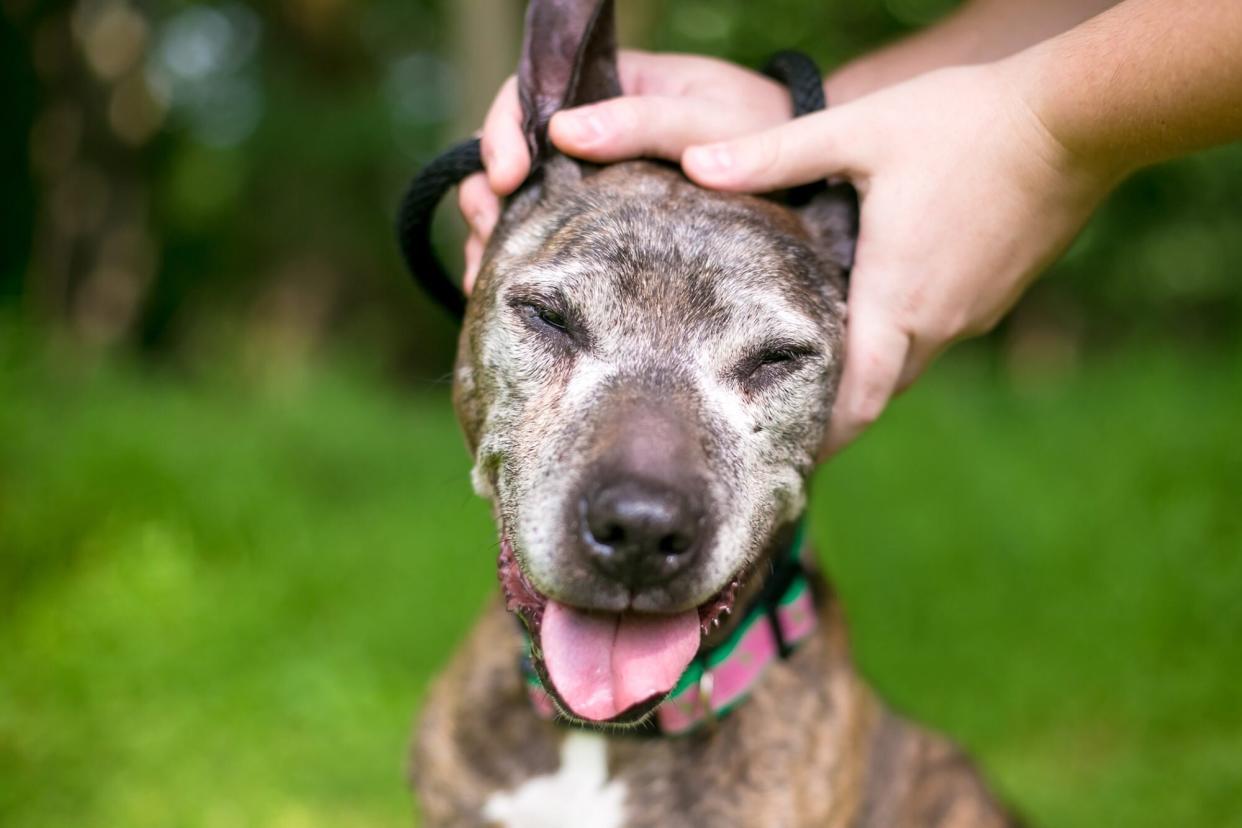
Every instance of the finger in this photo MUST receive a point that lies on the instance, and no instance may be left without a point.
(805, 149)
(479, 205)
(922, 352)
(649, 126)
(505, 154)
(875, 356)
(474, 256)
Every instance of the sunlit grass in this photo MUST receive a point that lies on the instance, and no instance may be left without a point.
(219, 601)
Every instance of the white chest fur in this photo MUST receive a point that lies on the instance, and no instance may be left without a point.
(578, 795)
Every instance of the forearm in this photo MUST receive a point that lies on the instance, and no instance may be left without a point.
(979, 31)
(1147, 80)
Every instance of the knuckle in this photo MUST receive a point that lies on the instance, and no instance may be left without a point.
(977, 324)
(859, 406)
(962, 328)
(957, 323)
(938, 327)
(933, 319)
(766, 153)
(867, 407)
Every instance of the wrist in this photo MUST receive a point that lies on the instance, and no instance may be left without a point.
(1071, 119)
(1067, 144)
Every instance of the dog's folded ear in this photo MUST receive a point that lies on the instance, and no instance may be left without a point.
(831, 218)
(569, 58)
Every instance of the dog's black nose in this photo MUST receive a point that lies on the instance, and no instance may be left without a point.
(641, 533)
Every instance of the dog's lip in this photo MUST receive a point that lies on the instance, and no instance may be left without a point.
(525, 599)
(521, 597)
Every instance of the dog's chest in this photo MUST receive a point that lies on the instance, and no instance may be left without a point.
(578, 794)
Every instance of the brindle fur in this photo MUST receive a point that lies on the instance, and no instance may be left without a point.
(668, 292)
(812, 748)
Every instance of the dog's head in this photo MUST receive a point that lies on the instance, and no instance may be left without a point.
(644, 376)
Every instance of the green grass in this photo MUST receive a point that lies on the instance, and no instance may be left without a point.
(220, 599)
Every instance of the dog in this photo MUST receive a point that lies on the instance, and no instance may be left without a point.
(644, 375)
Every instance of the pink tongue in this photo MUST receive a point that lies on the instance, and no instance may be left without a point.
(602, 664)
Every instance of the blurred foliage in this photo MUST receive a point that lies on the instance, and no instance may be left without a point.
(209, 170)
(221, 597)
(198, 172)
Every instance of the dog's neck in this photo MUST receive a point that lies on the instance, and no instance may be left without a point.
(775, 610)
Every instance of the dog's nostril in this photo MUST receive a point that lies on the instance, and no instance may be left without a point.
(674, 544)
(610, 534)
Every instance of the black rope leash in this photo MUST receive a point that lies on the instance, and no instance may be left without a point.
(801, 75)
(418, 207)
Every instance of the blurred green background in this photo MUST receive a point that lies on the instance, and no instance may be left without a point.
(236, 533)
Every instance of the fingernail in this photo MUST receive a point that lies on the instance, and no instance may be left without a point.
(710, 159)
(583, 126)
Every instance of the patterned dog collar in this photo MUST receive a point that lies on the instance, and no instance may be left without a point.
(720, 678)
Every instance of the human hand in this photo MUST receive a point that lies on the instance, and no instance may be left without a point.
(670, 102)
(965, 198)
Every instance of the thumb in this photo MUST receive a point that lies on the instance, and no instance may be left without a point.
(876, 352)
(803, 150)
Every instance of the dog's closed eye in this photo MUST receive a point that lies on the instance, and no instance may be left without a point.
(778, 356)
(548, 316)
(772, 362)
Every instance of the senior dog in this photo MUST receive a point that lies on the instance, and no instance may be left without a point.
(645, 372)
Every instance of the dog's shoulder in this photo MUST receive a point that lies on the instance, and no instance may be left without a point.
(476, 733)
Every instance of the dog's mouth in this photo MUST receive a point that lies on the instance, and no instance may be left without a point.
(608, 667)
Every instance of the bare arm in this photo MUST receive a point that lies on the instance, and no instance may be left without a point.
(979, 31)
(1146, 81)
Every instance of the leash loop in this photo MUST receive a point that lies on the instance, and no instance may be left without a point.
(418, 210)
(801, 75)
